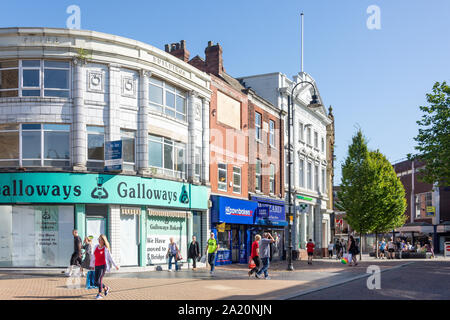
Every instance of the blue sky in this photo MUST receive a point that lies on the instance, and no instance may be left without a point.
(374, 79)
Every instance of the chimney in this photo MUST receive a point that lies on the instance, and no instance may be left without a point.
(214, 61)
(178, 50)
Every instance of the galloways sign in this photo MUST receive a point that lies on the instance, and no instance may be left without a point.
(40, 187)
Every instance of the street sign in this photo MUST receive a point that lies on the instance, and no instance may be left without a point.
(430, 211)
(113, 155)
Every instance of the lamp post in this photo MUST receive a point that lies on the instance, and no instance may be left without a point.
(313, 104)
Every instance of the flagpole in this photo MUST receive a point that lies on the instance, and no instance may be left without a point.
(301, 17)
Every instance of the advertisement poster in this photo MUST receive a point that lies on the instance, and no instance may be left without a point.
(159, 232)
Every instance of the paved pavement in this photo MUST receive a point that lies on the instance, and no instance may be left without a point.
(229, 282)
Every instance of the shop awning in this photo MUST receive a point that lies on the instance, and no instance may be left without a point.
(168, 213)
(130, 210)
(422, 227)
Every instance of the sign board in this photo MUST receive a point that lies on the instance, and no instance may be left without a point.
(304, 198)
(113, 156)
(302, 208)
(231, 210)
(447, 249)
(430, 211)
(221, 227)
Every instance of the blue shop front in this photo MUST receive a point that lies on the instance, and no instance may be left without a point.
(235, 222)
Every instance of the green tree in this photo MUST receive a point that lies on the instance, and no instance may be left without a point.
(355, 189)
(387, 200)
(434, 137)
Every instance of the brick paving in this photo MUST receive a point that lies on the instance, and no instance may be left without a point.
(230, 282)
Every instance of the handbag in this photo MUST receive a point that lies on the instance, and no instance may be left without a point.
(179, 257)
(90, 280)
(251, 263)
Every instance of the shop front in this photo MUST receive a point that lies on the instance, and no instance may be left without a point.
(271, 217)
(38, 212)
(232, 221)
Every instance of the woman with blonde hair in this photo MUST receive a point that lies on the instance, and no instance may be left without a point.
(255, 256)
(101, 261)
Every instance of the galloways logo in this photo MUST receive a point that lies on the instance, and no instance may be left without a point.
(238, 212)
(99, 192)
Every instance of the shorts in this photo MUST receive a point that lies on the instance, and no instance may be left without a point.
(382, 250)
(310, 254)
(391, 250)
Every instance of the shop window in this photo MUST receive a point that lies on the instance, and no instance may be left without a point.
(36, 236)
(222, 177)
(257, 126)
(96, 147)
(167, 99)
(236, 180)
(197, 229)
(258, 176)
(39, 78)
(272, 178)
(167, 156)
(224, 239)
(129, 149)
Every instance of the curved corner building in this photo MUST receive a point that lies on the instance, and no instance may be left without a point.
(67, 99)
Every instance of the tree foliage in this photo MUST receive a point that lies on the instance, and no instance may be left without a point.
(433, 140)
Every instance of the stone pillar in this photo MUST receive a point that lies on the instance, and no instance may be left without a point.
(310, 233)
(79, 137)
(318, 226)
(205, 142)
(112, 132)
(142, 134)
(303, 230)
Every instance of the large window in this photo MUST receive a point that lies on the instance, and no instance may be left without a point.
(301, 175)
(167, 156)
(316, 178)
(322, 145)
(316, 140)
(301, 132)
(96, 147)
(271, 133)
(128, 148)
(198, 162)
(222, 177)
(258, 176)
(167, 99)
(257, 126)
(423, 200)
(308, 135)
(236, 180)
(34, 78)
(272, 178)
(324, 184)
(309, 175)
(9, 146)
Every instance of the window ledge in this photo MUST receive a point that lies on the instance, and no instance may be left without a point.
(35, 99)
(163, 115)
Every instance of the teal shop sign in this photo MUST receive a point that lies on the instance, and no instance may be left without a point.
(40, 187)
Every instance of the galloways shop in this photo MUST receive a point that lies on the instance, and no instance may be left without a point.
(39, 210)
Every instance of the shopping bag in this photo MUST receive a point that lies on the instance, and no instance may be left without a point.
(251, 263)
(203, 259)
(90, 280)
(349, 257)
(179, 257)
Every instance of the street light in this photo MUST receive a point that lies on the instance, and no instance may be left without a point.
(314, 104)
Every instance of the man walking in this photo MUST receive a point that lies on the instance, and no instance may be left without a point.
(211, 250)
(255, 256)
(265, 254)
(310, 249)
(75, 259)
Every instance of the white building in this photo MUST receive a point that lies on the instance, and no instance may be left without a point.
(63, 94)
(310, 169)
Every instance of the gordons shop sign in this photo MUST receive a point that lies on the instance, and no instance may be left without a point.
(37, 187)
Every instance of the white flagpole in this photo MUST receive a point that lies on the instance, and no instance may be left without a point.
(301, 16)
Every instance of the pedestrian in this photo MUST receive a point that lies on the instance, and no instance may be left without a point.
(338, 250)
(391, 249)
(255, 256)
(87, 247)
(265, 255)
(310, 249)
(75, 259)
(330, 250)
(194, 252)
(353, 250)
(211, 250)
(102, 260)
(172, 252)
(382, 248)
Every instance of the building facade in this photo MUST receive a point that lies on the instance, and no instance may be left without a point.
(64, 95)
(311, 171)
(428, 207)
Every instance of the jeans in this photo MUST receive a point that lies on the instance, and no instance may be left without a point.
(211, 260)
(265, 267)
(98, 275)
(257, 262)
(170, 261)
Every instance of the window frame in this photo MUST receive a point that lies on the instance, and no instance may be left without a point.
(18, 78)
(301, 130)
(133, 164)
(272, 133)
(221, 183)
(177, 92)
(258, 126)
(87, 145)
(322, 144)
(309, 175)
(308, 136)
(301, 165)
(324, 182)
(258, 176)
(240, 179)
(316, 139)
(176, 145)
(316, 178)
(272, 179)
(18, 160)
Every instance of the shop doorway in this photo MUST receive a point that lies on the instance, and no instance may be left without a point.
(237, 244)
(129, 239)
(95, 226)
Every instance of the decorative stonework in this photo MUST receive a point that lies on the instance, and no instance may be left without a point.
(128, 87)
(96, 81)
(198, 111)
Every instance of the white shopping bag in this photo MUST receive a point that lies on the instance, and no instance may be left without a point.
(203, 259)
(349, 257)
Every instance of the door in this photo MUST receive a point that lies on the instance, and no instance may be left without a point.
(95, 226)
(235, 244)
(129, 239)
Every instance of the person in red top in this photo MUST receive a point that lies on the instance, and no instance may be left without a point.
(255, 256)
(310, 249)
